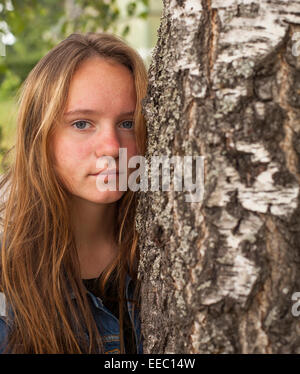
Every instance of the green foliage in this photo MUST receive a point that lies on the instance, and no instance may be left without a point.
(40, 24)
(125, 31)
(7, 127)
(9, 85)
(131, 8)
(3, 150)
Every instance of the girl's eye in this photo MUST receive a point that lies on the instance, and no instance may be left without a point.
(80, 124)
(127, 125)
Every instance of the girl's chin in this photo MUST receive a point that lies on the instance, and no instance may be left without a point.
(105, 197)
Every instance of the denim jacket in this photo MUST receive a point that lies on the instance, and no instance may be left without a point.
(107, 323)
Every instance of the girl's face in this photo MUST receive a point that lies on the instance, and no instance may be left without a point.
(98, 120)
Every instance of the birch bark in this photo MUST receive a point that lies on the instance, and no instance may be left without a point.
(218, 276)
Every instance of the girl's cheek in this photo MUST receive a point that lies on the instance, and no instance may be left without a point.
(83, 149)
(131, 149)
(76, 150)
(67, 152)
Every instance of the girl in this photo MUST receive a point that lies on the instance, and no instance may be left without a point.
(69, 250)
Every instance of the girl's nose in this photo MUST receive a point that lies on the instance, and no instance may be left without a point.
(107, 142)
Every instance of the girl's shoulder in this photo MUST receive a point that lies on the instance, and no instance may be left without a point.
(3, 315)
(3, 325)
(3, 333)
(3, 322)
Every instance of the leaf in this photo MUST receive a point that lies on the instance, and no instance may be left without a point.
(125, 31)
(143, 15)
(131, 7)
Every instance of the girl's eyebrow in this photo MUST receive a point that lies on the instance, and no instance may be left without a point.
(80, 111)
(92, 112)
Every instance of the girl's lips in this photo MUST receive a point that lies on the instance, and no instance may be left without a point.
(108, 172)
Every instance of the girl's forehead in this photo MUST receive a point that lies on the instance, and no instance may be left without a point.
(102, 85)
(98, 67)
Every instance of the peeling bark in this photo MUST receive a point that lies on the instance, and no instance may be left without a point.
(218, 276)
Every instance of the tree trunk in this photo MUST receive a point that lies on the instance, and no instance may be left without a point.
(219, 275)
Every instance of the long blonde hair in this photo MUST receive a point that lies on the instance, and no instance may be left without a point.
(39, 261)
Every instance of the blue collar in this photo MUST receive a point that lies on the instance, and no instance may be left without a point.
(97, 300)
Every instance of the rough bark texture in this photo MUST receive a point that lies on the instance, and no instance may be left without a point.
(218, 276)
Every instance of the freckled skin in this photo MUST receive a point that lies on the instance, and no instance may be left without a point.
(108, 88)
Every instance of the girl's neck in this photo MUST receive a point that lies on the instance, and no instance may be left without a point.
(93, 226)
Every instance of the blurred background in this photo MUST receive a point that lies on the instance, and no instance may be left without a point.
(30, 28)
